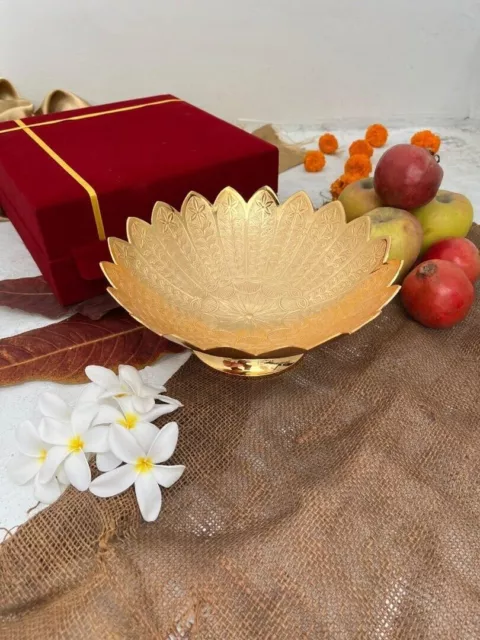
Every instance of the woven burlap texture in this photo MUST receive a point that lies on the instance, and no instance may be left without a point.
(339, 500)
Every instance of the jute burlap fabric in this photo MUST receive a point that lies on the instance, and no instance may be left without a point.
(340, 500)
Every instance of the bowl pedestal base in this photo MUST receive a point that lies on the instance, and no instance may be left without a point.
(248, 367)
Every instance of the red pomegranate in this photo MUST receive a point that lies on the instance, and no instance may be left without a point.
(460, 251)
(438, 294)
(407, 177)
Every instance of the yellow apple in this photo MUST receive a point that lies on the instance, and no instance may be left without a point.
(405, 234)
(359, 198)
(448, 215)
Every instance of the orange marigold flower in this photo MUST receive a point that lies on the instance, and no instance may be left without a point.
(328, 143)
(337, 187)
(376, 135)
(427, 139)
(343, 181)
(362, 147)
(314, 161)
(358, 164)
(353, 177)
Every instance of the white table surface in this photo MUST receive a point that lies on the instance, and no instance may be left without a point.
(460, 158)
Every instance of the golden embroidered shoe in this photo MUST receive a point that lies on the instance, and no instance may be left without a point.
(12, 107)
(60, 100)
(15, 109)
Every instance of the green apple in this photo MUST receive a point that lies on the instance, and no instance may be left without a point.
(405, 233)
(448, 215)
(359, 198)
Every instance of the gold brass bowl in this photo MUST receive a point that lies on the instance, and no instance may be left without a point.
(251, 286)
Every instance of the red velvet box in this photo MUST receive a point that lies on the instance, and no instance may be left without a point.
(70, 180)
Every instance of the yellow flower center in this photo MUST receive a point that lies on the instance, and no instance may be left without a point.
(75, 444)
(129, 421)
(143, 465)
(42, 455)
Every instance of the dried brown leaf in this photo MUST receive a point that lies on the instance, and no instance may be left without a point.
(33, 295)
(97, 307)
(61, 351)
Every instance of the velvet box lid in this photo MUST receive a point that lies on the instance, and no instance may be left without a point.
(70, 180)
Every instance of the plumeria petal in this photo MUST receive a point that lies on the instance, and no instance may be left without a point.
(123, 444)
(149, 381)
(91, 393)
(107, 461)
(142, 405)
(165, 368)
(83, 416)
(158, 411)
(102, 376)
(28, 439)
(55, 456)
(168, 400)
(167, 475)
(164, 444)
(148, 392)
(78, 471)
(112, 393)
(96, 440)
(22, 469)
(55, 432)
(130, 376)
(52, 406)
(149, 496)
(125, 405)
(108, 414)
(145, 433)
(114, 482)
(62, 476)
(47, 492)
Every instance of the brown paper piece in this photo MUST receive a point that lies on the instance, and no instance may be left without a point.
(338, 500)
(291, 155)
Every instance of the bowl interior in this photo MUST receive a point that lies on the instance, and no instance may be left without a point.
(255, 277)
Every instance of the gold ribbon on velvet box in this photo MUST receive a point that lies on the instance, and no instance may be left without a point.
(92, 194)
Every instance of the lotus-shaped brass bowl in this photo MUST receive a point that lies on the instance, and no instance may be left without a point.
(250, 287)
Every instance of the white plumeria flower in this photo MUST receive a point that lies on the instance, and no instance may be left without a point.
(128, 383)
(165, 368)
(141, 468)
(26, 465)
(139, 424)
(71, 436)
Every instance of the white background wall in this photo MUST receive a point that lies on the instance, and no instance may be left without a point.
(277, 60)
